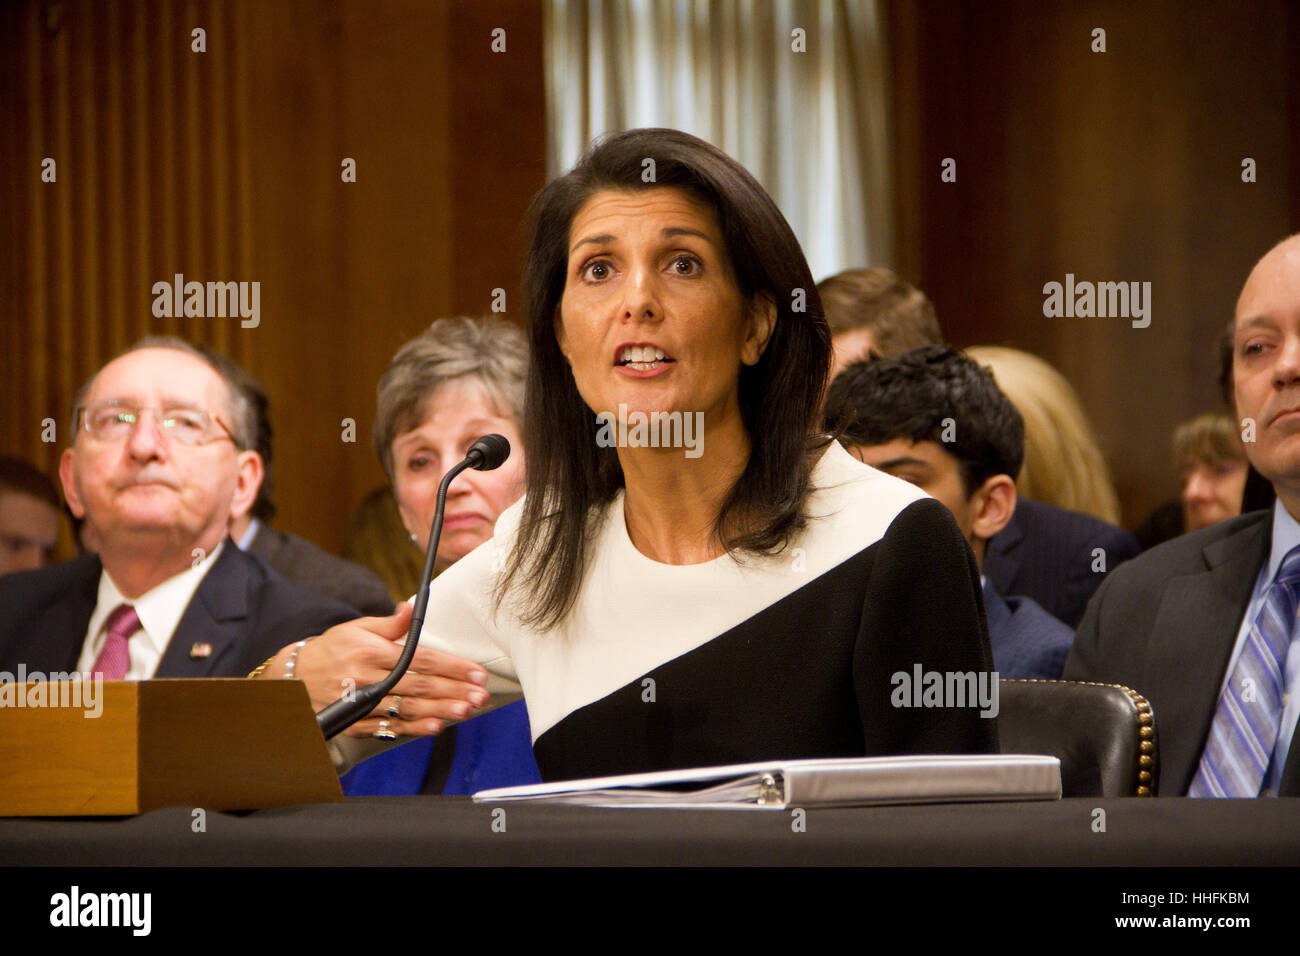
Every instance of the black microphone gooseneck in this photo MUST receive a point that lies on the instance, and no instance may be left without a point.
(485, 454)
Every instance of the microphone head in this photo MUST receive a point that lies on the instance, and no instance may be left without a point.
(490, 452)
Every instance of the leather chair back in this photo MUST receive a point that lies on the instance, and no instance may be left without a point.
(1103, 734)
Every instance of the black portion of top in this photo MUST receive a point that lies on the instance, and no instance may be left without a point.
(809, 676)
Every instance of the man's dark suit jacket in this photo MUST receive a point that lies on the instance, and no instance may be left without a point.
(1027, 641)
(299, 560)
(1045, 553)
(242, 608)
(1165, 625)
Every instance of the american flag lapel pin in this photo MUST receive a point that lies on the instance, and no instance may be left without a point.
(200, 650)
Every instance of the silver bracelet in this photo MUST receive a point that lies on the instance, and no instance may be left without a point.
(293, 659)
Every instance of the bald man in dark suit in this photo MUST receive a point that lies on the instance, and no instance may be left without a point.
(1205, 625)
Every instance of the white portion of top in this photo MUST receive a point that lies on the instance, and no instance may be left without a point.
(160, 611)
(634, 614)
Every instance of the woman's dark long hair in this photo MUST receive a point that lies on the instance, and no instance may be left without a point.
(570, 476)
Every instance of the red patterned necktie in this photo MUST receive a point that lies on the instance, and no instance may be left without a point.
(115, 659)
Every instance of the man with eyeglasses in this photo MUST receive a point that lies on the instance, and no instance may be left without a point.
(159, 466)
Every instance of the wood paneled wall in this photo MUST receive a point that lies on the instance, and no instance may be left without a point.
(1122, 165)
(225, 165)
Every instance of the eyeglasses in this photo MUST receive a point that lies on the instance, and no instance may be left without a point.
(114, 421)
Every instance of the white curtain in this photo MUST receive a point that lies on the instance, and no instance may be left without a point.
(812, 126)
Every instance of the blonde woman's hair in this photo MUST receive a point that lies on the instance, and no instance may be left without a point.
(1064, 465)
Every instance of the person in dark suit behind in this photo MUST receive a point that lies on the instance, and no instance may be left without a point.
(292, 557)
(1204, 625)
(1056, 556)
(935, 418)
(159, 465)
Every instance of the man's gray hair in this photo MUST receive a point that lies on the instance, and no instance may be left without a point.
(243, 418)
(491, 351)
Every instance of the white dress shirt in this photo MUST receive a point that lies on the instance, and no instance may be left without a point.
(160, 610)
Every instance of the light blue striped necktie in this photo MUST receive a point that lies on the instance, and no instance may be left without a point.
(1244, 731)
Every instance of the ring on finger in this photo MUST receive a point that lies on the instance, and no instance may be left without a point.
(395, 708)
(384, 732)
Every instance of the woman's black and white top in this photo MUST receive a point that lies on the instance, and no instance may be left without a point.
(782, 656)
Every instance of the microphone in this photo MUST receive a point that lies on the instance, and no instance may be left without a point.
(485, 454)
(488, 452)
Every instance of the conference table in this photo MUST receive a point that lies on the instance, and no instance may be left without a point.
(445, 830)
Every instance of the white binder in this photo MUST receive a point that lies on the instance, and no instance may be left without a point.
(779, 784)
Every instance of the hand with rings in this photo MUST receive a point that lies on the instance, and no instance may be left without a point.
(438, 687)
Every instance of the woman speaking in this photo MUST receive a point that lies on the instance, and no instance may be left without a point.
(751, 594)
